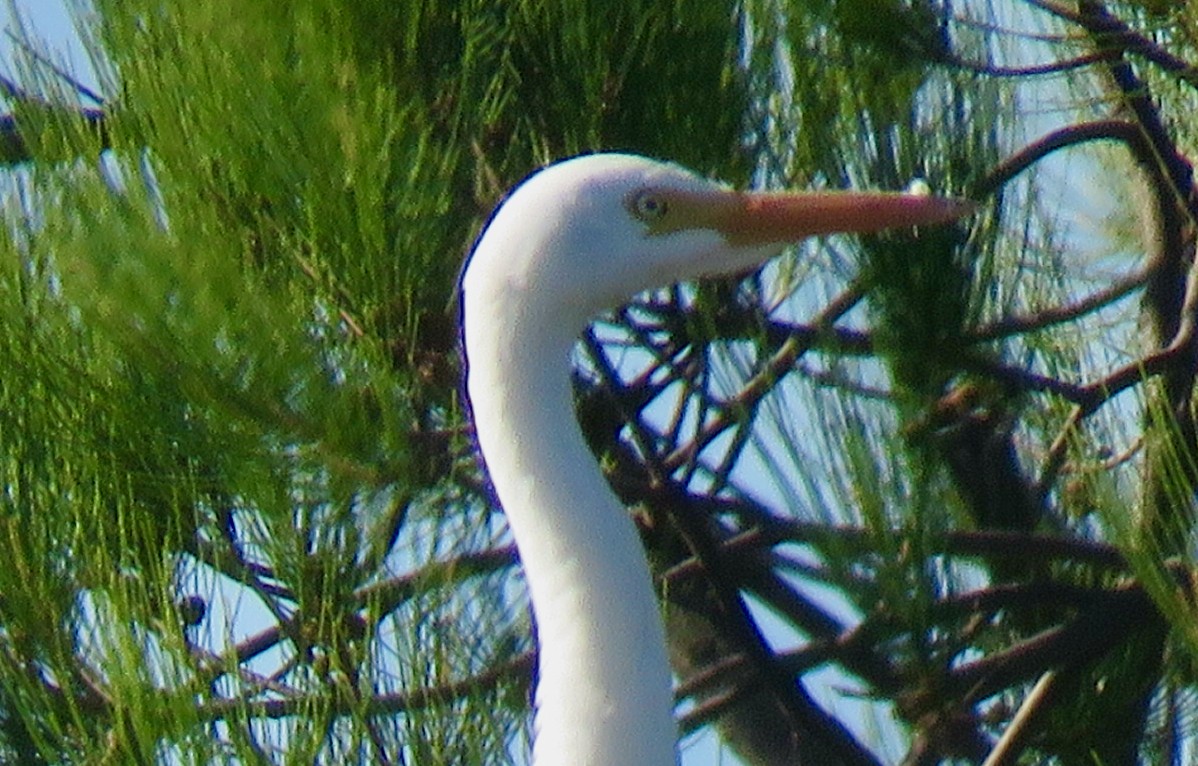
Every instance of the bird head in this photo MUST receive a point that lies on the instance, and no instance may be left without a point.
(586, 234)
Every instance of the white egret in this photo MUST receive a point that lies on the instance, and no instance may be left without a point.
(576, 238)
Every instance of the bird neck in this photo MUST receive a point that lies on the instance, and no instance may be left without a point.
(603, 697)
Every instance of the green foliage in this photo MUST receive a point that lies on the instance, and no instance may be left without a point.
(231, 372)
(240, 516)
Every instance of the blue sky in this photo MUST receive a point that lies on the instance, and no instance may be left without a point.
(48, 21)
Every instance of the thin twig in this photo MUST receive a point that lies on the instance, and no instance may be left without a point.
(58, 71)
(1030, 70)
(517, 668)
(1054, 315)
(763, 382)
(1008, 748)
(1124, 131)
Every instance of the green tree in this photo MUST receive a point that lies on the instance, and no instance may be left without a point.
(241, 513)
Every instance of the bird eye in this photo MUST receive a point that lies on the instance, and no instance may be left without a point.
(647, 205)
